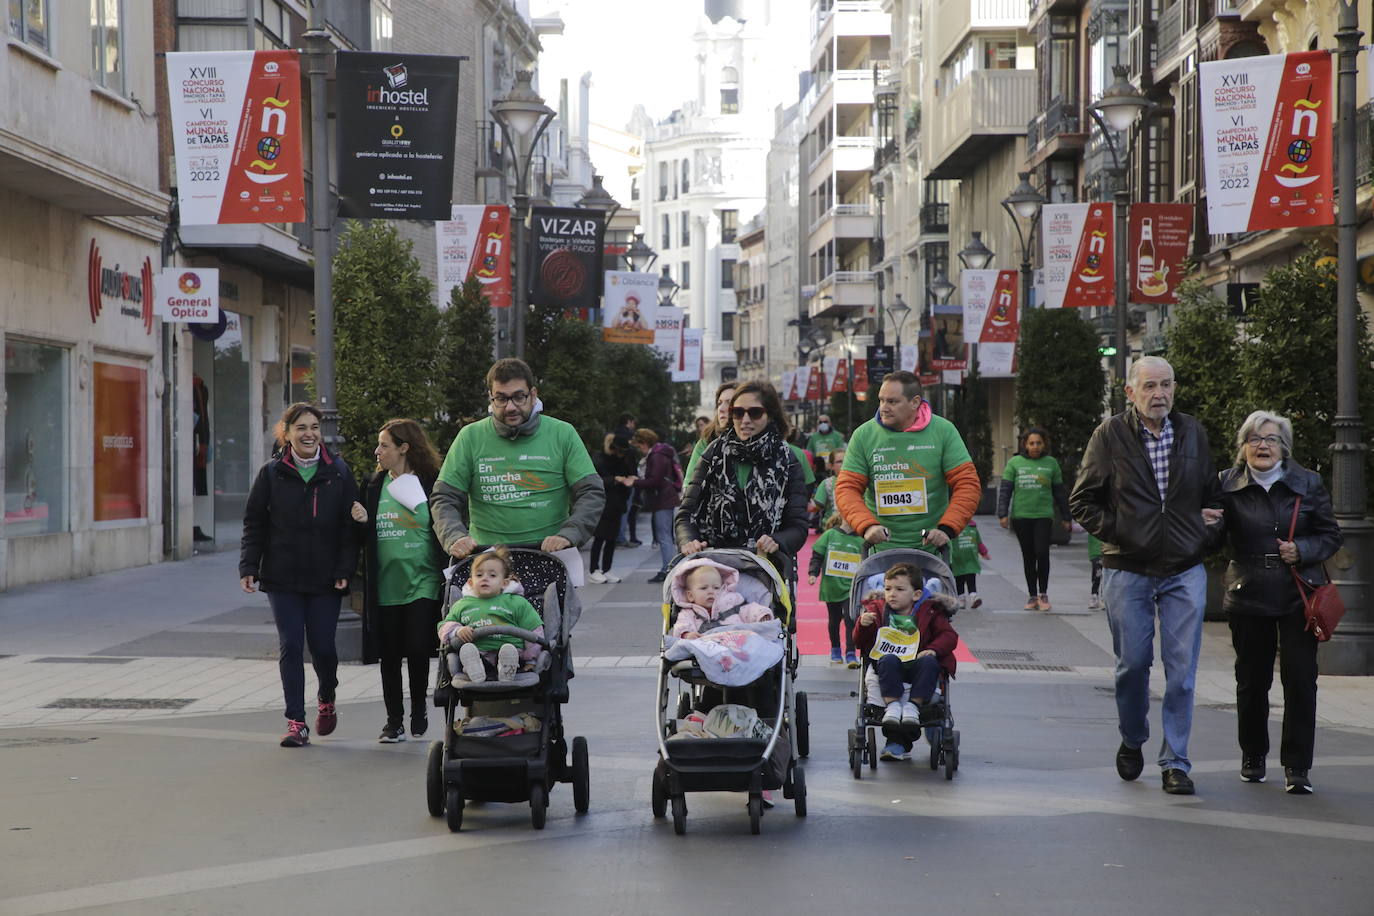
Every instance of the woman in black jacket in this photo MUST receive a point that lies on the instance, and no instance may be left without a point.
(748, 485)
(1261, 599)
(612, 462)
(402, 570)
(300, 547)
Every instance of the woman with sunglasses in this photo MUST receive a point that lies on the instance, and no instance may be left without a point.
(748, 487)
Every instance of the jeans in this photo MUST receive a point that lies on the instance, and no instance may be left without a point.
(663, 533)
(923, 675)
(409, 631)
(300, 619)
(1133, 602)
(1256, 639)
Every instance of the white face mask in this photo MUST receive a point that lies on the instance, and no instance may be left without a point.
(823, 428)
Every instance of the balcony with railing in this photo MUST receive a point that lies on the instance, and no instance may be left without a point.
(954, 19)
(983, 111)
(831, 18)
(1056, 130)
(1039, 9)
(842, 292)
(1168, 29)
(843, 154)
(884, 155)
(844, 221)
(935, 219)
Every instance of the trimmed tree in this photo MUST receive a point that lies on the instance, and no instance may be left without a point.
(1203, 345)
(1059, 382)
(466, 338)
(385, 337)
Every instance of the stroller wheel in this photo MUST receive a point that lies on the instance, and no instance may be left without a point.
(658, 795)
(856, 755)
(952, 755)
(453, 808)
(873, 749)
(581, 776)
(755, 813)
(799, 792)
(802, 724)
(680, 814)
(933, 736)
(434, 779)
(539, 805)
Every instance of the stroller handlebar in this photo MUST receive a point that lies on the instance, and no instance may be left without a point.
(517, 632)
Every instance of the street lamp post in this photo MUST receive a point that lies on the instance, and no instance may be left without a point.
(848, 328)
(1024, 202)
(938, 290)
(897, 313)
(523, 117)
(975, 256)
(1351, 649)
(640, 256)
(667, 288)
(322, 220)
(1118, 110)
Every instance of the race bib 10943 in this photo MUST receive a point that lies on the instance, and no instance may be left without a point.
(903, 496)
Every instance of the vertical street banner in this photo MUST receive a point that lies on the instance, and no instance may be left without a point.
(1158, 248)
(689, 360)
(1076, 245)
(475, 242)
(813, 384)
(788, 377)
(397, 123)
(236, 132)
(629, 313)
(1267, 141)
(908, 363)
(668, 327)
(879, 361)
(565, 254)
(1000, 326)
(830, 368)
(841, 376)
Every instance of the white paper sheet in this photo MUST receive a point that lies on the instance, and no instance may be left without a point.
(407, 491)
(572, 558)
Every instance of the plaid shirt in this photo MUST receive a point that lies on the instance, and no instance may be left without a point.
(1157, 449)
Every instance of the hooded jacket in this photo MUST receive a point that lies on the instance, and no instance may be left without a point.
(729, 605)
(1256, 581)
(661, 485)
(932, 620)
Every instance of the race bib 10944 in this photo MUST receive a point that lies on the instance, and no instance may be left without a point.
(891, 641)
(903, 496)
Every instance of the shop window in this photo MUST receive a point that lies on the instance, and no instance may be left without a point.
(29, 21)
(37, 418)
(107, 44)
(120, 442)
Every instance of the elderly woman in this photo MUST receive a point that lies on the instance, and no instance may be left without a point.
(748, 486)
(1262, 602)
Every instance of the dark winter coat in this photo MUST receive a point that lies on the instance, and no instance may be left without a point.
(1257, 581)
(791, 534)
(611, 466)
(937, 634)
(1116, 498)
(371, 496)
(298, 536)
(661, 485)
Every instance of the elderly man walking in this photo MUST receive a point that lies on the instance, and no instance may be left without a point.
(1143, 485)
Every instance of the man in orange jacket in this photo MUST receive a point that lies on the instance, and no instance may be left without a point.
(907, 478)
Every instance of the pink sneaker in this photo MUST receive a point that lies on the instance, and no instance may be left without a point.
(327, 720)
(297, 734)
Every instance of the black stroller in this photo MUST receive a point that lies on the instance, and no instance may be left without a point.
(749, 763)
(512, 767)
(940, 733)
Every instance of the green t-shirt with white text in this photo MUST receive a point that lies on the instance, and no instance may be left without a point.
(906, 475)
(1032, 482)
(963, 552)
(840, 555)
(408, 557)
(496, 611)
(519, 490)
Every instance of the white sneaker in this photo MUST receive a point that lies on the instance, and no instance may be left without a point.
(911, 714)
(1095, 603)
(611, 578)
(893, 715)
(470, 660)
(507, 660)
(596, 576)
(974, 600)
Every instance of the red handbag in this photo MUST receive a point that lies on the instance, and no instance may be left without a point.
(1322, 605)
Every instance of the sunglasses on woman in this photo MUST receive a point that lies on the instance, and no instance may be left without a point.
(755, 413)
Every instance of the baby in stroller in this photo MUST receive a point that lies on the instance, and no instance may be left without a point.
(908, 635)
(704, 592)
(490, 598)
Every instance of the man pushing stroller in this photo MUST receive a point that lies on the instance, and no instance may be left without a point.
(907, 634)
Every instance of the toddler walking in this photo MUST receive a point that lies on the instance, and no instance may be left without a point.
(835, 557)
(964, 552)
(489, 599)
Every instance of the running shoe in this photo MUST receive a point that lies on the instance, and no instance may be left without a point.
(392, 733)
(327, 719)
(596, 576)
(297, 734)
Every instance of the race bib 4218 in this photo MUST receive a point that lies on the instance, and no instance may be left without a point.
(903, 496)
(841, 563)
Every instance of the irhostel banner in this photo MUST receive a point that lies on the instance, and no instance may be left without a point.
(565, 252)
(475, 242)
(236, 130)
(1267, 141)
(1076, 243)
(1158, 248)
(397, 122)
(629, 313)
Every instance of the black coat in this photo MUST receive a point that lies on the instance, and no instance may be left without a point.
(1116, 498)
(371, 496)
(610, 467)
(298, 536)
(1257, 581)
(791, 533)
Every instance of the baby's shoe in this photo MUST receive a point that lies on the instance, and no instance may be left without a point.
(507, 660)
(470, 660)
(893, 715)
(893, 751)
(911, 714)
(835, 657)
(974, 600)
(851, 660)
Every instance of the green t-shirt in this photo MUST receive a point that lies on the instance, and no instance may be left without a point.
(500, 610)
(1094, 547)
(518, 489)
(906, 475)
(408, 557)
(822, 444)
(808, 472)
(307, 471)
(824, 498)
(1032, 480)
(692, 461)
(963, 552)
(840, 555)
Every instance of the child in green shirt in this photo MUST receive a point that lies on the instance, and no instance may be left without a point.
(964, 551)
(835, 557)
(489, 599)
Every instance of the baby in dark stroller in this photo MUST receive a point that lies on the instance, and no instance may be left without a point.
(907, 634)
(490, 598)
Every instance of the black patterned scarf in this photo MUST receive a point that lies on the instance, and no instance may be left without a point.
(727, 516)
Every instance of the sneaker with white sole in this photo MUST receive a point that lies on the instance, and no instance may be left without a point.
(974, 600)
(507, 660)
(297, 734)
(596, 576)
(612, 578)
(392, 733)
(893, 715)
(911, 714)
(893, 750)
(470, 660)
